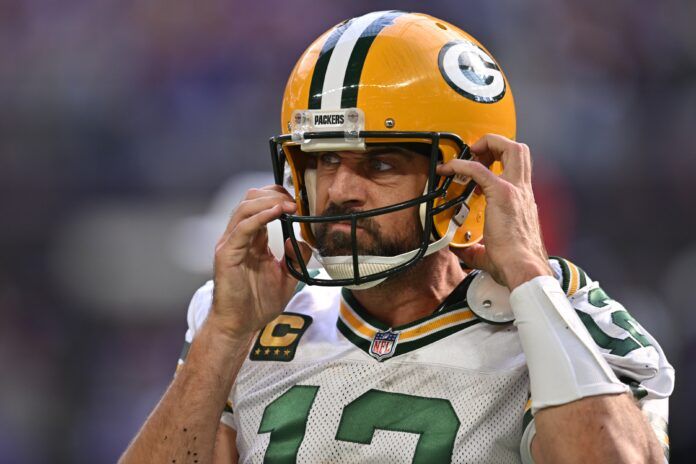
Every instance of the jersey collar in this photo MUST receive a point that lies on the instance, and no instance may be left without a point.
(383, 342)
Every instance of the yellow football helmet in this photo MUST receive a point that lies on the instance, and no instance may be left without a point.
(391, 77)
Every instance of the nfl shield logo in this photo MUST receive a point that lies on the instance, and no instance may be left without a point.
(384, 345)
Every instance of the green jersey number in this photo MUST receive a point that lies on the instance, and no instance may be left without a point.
(286, 419)
(618, 346)
(433, 419)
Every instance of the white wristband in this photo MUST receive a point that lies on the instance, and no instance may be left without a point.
(564, 362)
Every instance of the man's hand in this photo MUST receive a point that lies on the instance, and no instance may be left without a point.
(251, 288)
(251, 285)
(514, 251)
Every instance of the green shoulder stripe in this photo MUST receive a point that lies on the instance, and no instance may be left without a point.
(583, 277)
(573, 277)
(565, 274)
(527, 419)
(528, 416)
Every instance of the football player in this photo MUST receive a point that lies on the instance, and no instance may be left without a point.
(399, 140)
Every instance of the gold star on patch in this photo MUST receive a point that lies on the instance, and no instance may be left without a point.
(276, 352)
(287, 353)
(266, 351)
(258, 351)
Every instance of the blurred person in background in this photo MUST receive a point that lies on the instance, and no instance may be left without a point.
(400, 141)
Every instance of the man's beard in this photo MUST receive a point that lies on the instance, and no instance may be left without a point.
(339, 243)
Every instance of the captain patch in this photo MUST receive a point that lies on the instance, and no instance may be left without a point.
(279, 339)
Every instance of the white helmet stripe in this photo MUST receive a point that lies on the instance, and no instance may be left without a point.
(336, 71)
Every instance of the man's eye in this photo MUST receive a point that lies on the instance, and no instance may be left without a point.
(329, 158)
(379, 165)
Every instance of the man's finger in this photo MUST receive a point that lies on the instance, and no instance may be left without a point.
(268, 190)
(245, 231)
(514, 156)
(276, 187)
(251, 207)
(474, 257)
(473, 169)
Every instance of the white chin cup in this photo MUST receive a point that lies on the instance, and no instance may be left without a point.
(341, 267)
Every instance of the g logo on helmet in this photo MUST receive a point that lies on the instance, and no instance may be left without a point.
(471, 71)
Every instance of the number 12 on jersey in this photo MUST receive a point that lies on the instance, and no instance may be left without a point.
(433, 419)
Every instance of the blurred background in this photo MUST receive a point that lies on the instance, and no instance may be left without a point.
(129, 130)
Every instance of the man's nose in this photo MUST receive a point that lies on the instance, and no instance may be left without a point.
(347, 188)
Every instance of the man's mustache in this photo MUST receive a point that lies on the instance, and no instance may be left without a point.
(368, 224)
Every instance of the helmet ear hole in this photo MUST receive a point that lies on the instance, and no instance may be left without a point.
(471, 231)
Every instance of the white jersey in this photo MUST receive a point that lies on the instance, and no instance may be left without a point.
(325, 382)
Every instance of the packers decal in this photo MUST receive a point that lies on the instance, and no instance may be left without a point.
(470, 71)
(279, 339)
